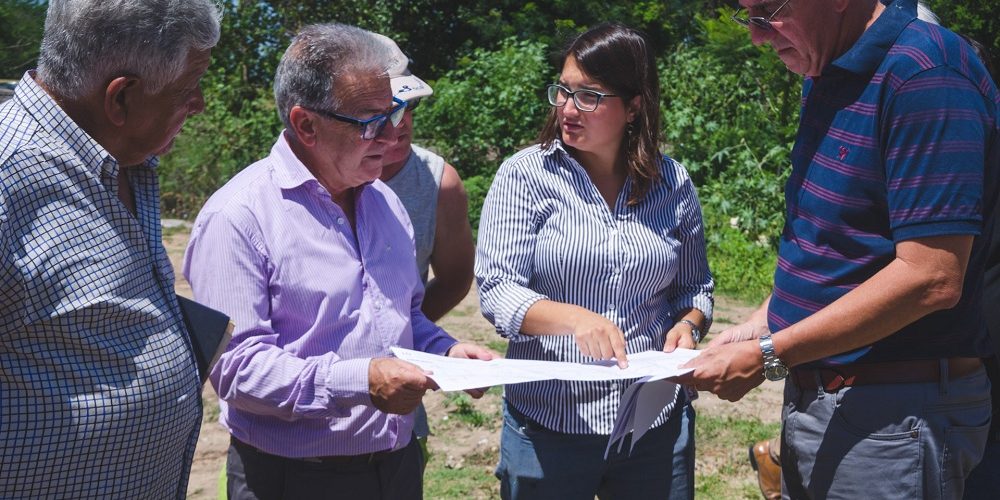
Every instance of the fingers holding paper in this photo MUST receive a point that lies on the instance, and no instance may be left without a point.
(465, 350)
(396, 386)
(729, 370)
(681, 336)
(749, 330)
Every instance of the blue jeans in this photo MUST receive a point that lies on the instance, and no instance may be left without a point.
(984, 481)
(537, 463)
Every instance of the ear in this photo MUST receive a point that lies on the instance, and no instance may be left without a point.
(303, 123)
(634, 105)
(119, 97)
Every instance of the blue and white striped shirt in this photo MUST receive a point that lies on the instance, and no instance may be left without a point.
(546, 233)
(99, 393)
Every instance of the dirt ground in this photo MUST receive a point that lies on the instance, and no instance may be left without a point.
(455, 444)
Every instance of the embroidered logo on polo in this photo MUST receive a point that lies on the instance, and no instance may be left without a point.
(843, 153)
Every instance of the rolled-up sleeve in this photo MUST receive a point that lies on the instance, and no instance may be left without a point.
(228, 269)
(505, 251)
(694, 286)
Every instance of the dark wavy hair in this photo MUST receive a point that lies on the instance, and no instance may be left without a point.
(621, 59)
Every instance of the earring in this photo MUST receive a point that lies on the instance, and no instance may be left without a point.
(629, 128)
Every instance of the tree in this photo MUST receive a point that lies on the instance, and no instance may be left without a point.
(21, 23)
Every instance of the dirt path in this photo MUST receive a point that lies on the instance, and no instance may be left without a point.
(459, 445)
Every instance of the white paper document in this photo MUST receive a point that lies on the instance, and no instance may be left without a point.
(453, 374)
(640, 405)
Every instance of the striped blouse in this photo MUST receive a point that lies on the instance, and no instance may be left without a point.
(546, 233)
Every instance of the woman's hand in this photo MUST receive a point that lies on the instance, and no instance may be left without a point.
(680, 335)
(599, 338)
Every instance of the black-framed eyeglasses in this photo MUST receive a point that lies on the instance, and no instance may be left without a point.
(583, 99)
(373, 126)
(763, 23)
(413, 103)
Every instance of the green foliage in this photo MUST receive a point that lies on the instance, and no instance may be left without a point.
(977, 19)
(743, 268)
(730, 111)
(476, 187)
(487, 108)
(214, 146)
(20, 36)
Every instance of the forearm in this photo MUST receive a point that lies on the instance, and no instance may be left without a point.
(899, 294)
(428, 337)
(548, 317)
(759, 316)
(442, 296)
(267, 380)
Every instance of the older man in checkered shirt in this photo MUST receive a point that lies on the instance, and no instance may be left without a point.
(99, 393)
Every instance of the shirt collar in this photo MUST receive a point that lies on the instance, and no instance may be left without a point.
(52, 119)
(290, 172)
(865, 56)
(557, 145)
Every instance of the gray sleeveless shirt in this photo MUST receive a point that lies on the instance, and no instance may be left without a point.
(417, 185)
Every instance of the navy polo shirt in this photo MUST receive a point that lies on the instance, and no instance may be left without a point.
(898, 140)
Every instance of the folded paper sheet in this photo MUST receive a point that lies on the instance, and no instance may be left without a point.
(640, 404)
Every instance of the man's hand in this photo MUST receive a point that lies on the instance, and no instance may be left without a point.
(471, 351)
(729, 370)
(599, 338)
(750, 330)
(396, 386)
(679, 336)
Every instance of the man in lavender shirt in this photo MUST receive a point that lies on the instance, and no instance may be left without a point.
(313, 258)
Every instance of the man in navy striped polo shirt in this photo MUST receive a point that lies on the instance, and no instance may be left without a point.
(878, 289)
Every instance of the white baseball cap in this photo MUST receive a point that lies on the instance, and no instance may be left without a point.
(405, 85)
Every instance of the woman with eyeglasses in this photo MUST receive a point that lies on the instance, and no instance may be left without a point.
(591, 248)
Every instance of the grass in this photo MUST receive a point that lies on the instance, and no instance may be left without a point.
(473, 478)
(721, 440)
(465, 411)
(498, 346)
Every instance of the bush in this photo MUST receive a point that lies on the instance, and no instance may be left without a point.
(487, 108)
(213, 147)
(730, 113)
(476, 187)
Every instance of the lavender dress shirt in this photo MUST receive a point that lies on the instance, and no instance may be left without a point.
(313, 303)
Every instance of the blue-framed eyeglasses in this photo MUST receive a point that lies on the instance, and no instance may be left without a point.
(763, 23)
(373, 126)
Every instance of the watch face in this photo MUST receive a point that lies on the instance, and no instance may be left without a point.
(775, 372)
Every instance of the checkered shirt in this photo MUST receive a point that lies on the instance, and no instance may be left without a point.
(99, 393)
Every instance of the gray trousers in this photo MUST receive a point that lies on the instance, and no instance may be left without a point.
(884, 441)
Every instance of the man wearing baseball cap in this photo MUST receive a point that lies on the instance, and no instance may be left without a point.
(432, 192)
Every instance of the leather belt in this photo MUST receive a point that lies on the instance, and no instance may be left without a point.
(891, 372)
(336, 460)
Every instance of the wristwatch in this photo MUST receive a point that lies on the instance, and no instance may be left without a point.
(695, 331)
(774, 369)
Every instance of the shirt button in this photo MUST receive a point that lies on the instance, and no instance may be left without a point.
(340, 220)
(611, 307)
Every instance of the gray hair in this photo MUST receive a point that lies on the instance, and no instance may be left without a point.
(316, 62)
(924, 13)
(87, 42)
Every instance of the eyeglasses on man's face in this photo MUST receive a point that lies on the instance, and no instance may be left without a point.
(583, 99)
(761, 22)
(373, 126)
